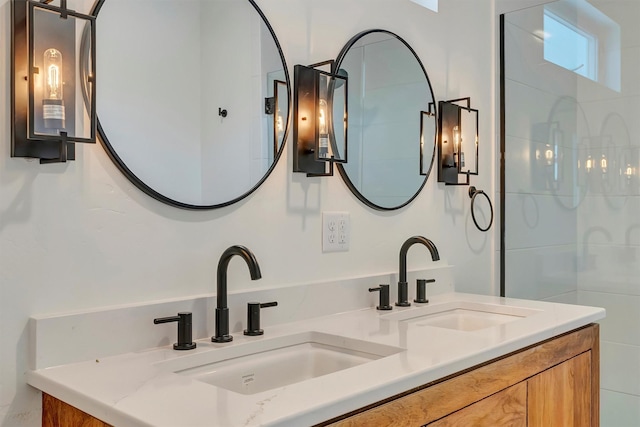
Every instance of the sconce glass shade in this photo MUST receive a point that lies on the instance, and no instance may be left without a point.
(458, 141)
(53, 100)
(320, 121)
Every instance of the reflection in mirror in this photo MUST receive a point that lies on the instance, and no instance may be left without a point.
(613, 174)
(196, 100)
(388, 91)
(427, 128)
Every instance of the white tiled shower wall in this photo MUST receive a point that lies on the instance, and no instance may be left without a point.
(582, 249)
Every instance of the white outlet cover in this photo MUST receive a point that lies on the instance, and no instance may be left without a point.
(336, 231)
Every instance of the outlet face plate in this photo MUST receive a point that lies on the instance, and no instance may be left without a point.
(336, 231)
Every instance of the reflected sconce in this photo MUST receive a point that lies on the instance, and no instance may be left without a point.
(589, 164)
(427, 127)
(457, 136)
(552, 155)
(52, 98)
(603, 164)
(628, 159)
(608, 162)
(319, 120)
(629, 172)
(272, 108)
(547, 166)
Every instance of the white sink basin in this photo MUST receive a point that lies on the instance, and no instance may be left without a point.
(263, 365)
(461, 315)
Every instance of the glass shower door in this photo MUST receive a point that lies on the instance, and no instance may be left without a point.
(571, 196)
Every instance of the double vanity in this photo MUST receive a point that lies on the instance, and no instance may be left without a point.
(456, 360)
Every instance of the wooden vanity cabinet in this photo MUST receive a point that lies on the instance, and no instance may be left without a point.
(553, 383)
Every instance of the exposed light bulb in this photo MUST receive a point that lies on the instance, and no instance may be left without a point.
(52, 103)
(456, 138)
(322, 117)
(323, 142)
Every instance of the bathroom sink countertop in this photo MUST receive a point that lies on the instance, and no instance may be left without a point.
(142, 388)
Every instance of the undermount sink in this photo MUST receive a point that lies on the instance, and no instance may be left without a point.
(276, 362)
(461, 315)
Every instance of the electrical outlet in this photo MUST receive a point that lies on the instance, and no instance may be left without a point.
(336, 231)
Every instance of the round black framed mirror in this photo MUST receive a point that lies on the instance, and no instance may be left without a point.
(194, 98)
(391, 120)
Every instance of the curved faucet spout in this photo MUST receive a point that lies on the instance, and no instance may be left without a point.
(435, 256)
(252, 263)
(403, 293)
(222, 310)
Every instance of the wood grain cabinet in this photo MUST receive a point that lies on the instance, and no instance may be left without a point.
(551, 384)
(56, 413)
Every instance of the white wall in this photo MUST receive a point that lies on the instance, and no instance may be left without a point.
(79, 235)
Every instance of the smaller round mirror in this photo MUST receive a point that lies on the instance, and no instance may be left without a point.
(391, 120)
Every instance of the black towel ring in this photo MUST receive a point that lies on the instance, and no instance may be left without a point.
(473, 192)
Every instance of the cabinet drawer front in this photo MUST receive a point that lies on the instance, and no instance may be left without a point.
(561, 396)
(506, 408)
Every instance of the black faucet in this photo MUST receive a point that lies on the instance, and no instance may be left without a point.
(222, 310)
(403, 297)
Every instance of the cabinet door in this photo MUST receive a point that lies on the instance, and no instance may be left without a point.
(502, 409)
(56, 413)
(561, 396)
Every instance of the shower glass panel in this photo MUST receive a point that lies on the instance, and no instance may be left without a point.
(571, 196)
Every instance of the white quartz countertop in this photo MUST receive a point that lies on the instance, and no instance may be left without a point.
(138, 388)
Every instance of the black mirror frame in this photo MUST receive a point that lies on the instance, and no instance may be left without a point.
(343, 172)
(164, 199)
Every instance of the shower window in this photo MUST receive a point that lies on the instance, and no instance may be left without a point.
(570, 47)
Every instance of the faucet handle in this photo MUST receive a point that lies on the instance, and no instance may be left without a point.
(253, 317)
(184, 330)
(384, 297)
(421, 290)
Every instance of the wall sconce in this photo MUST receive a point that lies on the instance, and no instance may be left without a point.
(458, 134)
(53, 101)
(318, 141)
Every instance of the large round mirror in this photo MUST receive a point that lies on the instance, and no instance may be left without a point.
(194, 97)
(391, 121)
